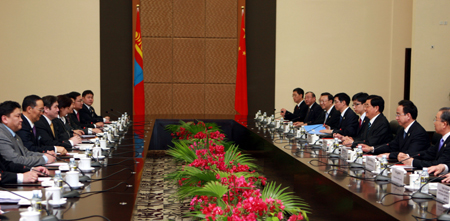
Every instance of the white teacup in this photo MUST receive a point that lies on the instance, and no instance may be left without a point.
(84, 163)
(54, 192)
(72, 178)
(412, 178)
(29, 216)
(103, 144)
(351, 155)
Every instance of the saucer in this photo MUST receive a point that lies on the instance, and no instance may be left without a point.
(74, 187)
(99, 157)
(90, 169)
(62, 201)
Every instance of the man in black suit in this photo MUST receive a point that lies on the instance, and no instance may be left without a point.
(411, 138)
(437, 155)
(87, 113)
(329, 115)
(46, 129)
(74, 117)
(348, 121)
(377, 131)
(63, 129)
(314, 110)
(11, 173)
(300, 109)
(359, 99)
(32, 107)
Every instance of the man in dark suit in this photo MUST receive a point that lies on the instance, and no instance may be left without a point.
(377, 131)
(300, 110)
(359, 99)
(32, 107)
(348, 121)
(11, 172)
(314, 110)
(87, 113)
(63, 129)
(411, 138)
(11, 146)
(46, 129)
(437, 155)
(329, 115)
(74, 117)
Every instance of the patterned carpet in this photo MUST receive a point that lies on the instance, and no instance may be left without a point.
(153, 201)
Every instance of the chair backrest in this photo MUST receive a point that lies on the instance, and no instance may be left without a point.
(435, 138)
(394, 127)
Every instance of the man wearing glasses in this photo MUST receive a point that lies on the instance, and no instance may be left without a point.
(437, 155)
(411, 137)
(33, 107)
(377, 131)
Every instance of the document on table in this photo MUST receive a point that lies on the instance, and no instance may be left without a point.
(314, 129)
(8, 197)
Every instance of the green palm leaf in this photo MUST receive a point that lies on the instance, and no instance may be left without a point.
(182, 152)
(236, 156)
(292, 203)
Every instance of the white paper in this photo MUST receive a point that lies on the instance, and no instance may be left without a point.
(442, 193)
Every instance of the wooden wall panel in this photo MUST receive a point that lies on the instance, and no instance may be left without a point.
(189, 18)
(221, 18)
(156, 18)
(189, 60)
(190, 55)
(219, 98)
(221, 61)
(158, 59)
(188, 98)
(158, 98)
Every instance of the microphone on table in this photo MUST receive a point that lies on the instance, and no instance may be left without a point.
(381, 177)
(419, 195)
(111, 113)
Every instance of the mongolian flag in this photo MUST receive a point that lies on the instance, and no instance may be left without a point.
(138, 95)
(240, 99)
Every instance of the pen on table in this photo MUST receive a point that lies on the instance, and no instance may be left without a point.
(40, 172)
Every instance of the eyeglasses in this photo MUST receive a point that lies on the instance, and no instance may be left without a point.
(435, 119)
(398, 115)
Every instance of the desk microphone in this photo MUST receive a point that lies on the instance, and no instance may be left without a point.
(381, 177)
(419, 195)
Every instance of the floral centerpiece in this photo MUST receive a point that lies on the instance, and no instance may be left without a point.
(222, 182)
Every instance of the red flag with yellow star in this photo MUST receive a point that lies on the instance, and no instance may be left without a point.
(240, 97)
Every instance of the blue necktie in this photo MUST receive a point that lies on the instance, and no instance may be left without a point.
(440, 144)
(404, 134)
(340, 119)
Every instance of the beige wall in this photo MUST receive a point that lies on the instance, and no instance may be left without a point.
(342, 46)
(49, 47)
(430, 74)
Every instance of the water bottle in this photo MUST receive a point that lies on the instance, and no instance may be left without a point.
(336, 146)
(72, 164)
(383, 165)
(58, 180)
(424, 180)
(36, 200)
(88, 152)
(359, 155)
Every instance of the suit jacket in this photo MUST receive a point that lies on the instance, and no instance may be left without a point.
(348, 124)
(417, 140)
(76, 123)
(299, 113)
(28, 138)
(88, 115)
(12, 149)
(313, 113)
(332, 119)
(9, 171)
(61, 130)
(434, 156)
(360, 130)
(45, 133)
(378, 133)
(73, 126)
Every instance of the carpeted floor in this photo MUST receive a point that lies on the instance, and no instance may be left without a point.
(153, 200)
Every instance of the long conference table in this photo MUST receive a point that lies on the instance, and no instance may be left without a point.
(333, 191)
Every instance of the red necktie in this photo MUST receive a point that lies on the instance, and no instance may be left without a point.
(78, 116)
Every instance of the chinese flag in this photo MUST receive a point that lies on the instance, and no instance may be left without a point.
(240, 99)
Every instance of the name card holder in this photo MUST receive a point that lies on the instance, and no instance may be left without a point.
(398, 176)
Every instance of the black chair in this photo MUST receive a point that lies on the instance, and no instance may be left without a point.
(394, 127)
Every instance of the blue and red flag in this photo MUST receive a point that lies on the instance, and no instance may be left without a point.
(138, 95)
